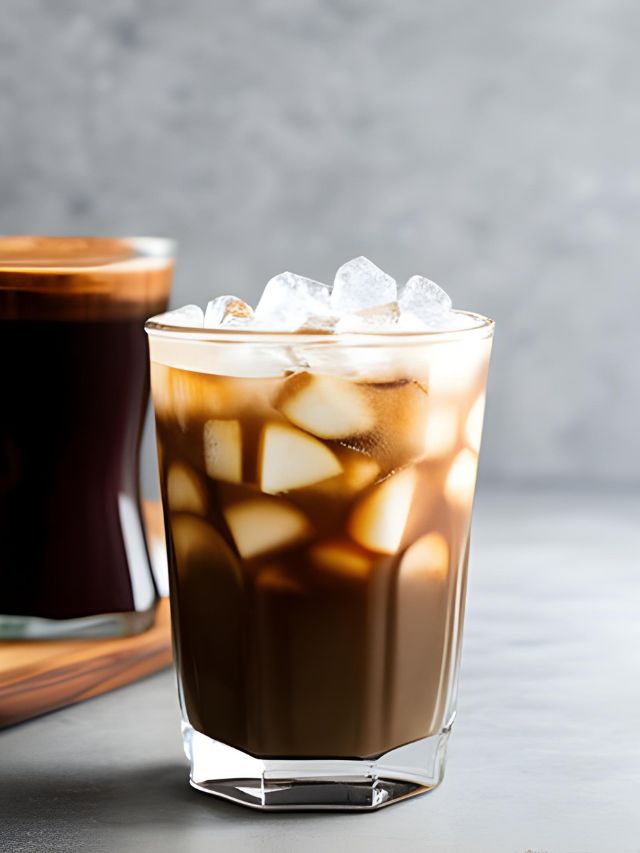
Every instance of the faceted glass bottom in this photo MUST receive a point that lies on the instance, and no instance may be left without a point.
(342, 784)
(100, 625)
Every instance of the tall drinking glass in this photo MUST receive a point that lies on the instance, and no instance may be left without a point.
(73, 557)
(317, 493)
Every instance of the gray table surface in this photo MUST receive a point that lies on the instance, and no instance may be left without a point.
(544, 756)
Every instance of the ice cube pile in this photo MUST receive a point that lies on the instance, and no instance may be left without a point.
(363, 299)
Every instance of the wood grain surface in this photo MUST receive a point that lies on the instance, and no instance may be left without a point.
(40, 676)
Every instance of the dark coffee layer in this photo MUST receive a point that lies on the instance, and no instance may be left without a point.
(73, 401)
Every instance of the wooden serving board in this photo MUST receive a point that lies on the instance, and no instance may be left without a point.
(43, 675)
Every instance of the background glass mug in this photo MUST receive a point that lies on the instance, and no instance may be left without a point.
(74, 560)
(317, 494)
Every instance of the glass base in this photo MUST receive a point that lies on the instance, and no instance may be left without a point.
(100, 625)
(342, 784)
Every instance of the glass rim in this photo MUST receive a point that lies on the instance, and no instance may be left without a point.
(481, 327)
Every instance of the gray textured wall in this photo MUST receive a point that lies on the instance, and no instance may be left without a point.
(493, 146)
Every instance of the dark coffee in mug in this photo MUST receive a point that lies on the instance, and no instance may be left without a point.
(75, 386)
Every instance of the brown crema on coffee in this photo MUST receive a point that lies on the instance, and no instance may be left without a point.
(82, 278)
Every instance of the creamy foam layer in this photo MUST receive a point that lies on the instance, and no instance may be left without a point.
(83, 278)
(451, 357)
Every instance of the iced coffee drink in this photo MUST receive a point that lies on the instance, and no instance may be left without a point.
(318, 460)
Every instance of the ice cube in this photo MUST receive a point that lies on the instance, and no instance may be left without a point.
(400, 410)
(379, 318)
(161, 388)
(264, 524)
(197, 543)
(359, 471)
(461, 479)
(428, 556)
(185, 492)
(181, 394)
(378, 520)
(223, 450)
(227, 311)
(289, 458)
(326, 406)
(441, 431)
(361, 284)
(189, 316)
(289, 301)
(424, 300)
